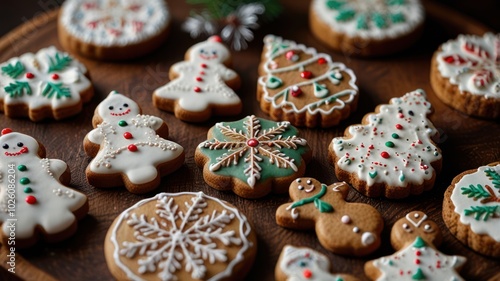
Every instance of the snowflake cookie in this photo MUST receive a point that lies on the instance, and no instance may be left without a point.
(391, 153)
(201, 85)
(129, 148)
(415, 237)
(48, 84)
(252, 156)
(45, 207)
(183, 236)
(305, 264)
(342, 227)
(471, 209)
(303, 87)
(113, 29)
(465, 74)
(367, 28)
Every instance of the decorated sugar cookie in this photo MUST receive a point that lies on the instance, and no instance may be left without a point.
(48, 84)
(367, 28)
(202, 85)
(415, 238)
(306, 88)
(129, 148)
(253, 156)
(113, 29)
(35, 201)
(471, 209)
(342, 227)
(465, 74)
(183, 236)
(304, 264)
(391, 153)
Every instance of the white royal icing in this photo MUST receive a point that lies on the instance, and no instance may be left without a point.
(473, 63)
(410, 10)
(410, 158)
(115, 156)
(114, 22)
(52, 212)
(201, 80)
(71, 77)
(462, 202)
(179, 228)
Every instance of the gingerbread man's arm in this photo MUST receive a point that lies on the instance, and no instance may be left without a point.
(225, 73)
(58, 169)
(295, 218)
(92, 141)
(179, 68)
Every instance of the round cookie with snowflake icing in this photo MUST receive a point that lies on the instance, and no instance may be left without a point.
(252, 156)
(471, 209)
(182, 236)
(465, 74)
(113, 29)
(367, 28)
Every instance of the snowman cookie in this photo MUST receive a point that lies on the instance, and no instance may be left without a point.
(415, 238)
(129, 148)
(305, 264)
(35, 201)
(202, 85)
(342, 227)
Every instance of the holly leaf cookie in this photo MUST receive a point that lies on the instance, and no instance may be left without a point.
(183, 236)
(342, 227)
(415, 238)
(298, 85)
(129, 148)
(202, 85)
(48, 84)
(391, 153)
(252, 156)
(471, 209)
(35, 200)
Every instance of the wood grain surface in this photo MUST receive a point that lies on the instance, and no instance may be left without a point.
(466, 142)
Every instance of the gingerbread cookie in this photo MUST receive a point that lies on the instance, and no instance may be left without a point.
(471, 209)
(303, 87)
(252, 156)
(342, 227)
(415, 238)
(129, 148)
(48, 84)
(35, 201)
(367, 28)
(201, 85)
(391, 153)
(305, 264)
(182, 236)
(465, 76)
(113, 29)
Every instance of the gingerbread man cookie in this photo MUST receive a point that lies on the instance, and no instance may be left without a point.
(305, 264)
(34, 198)
(129, 148)
(342, 227)
(415, 238)
(202, 85)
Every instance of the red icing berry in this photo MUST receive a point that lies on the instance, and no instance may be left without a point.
(384, 154)
(289, 55)
(197, 89)
(321, 61)
(417, 261)
(132, 148)
(306, 74)
(307, 273)
(30, 75)
(399, 127)
(30, 199)
(6, 131)
(252, 142)
(199, 79)
(203, 65)
(296, 91)
(418, 253)
(55, 76)
(127, 135)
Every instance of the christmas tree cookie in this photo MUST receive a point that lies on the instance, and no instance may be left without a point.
(342, 227)
(465, 74)
(202, 85)
(391, 153)
(471, 209)
(184, 236)
(298, 85)
(305, 264)
(252, 156)
(129, 148)
(367, 28)
(113, 29)
(48, 84)
(415, 238)
(35, 201)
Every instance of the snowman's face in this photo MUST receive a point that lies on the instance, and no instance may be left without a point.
(117, 106)
(15, 145)
(209, 51)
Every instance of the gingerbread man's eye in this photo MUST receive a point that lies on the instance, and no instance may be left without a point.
(298, 180)
(5, 146)
(407, 228)
(428, 228)
(111, 107)
(300, 187)
(309, 182)
(125, 105)
(20, 144)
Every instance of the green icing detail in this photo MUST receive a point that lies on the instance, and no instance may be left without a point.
(481, 211)
(13, 70)
(391, 262)
(59, 63)
(494, 177)
(419, 242)
(334, 4)
(379, 20)
(397, 17)
(278, 47)
(373, 175)
(339, 279)
(320, 91)
(345, 15)
(475, 191)
(402, 177)
(274, 82)
(57, 89)
(28, 190)
(22, 168)
(395, 136)
(395, 2)
(322, 206)
(362, 22)
(18, 88)
(389, 144)
(24, 181)
(419, 275)
(122, 123)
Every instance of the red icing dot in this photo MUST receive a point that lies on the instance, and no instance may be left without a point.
(296, 91)
(417, 261)
(30, 75)
(306, 74)
(252, 142)
(6, 131)
(202, 72)
(289, 55)
(30, 199)
(321, 61)
(399, 127)
(418, 253)
(203, 65)
(55, 76)
(371, 147)
(307, 273)
(197, 89)
(384, 154)
(127, 135)
(132, 148)
(199, 79)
